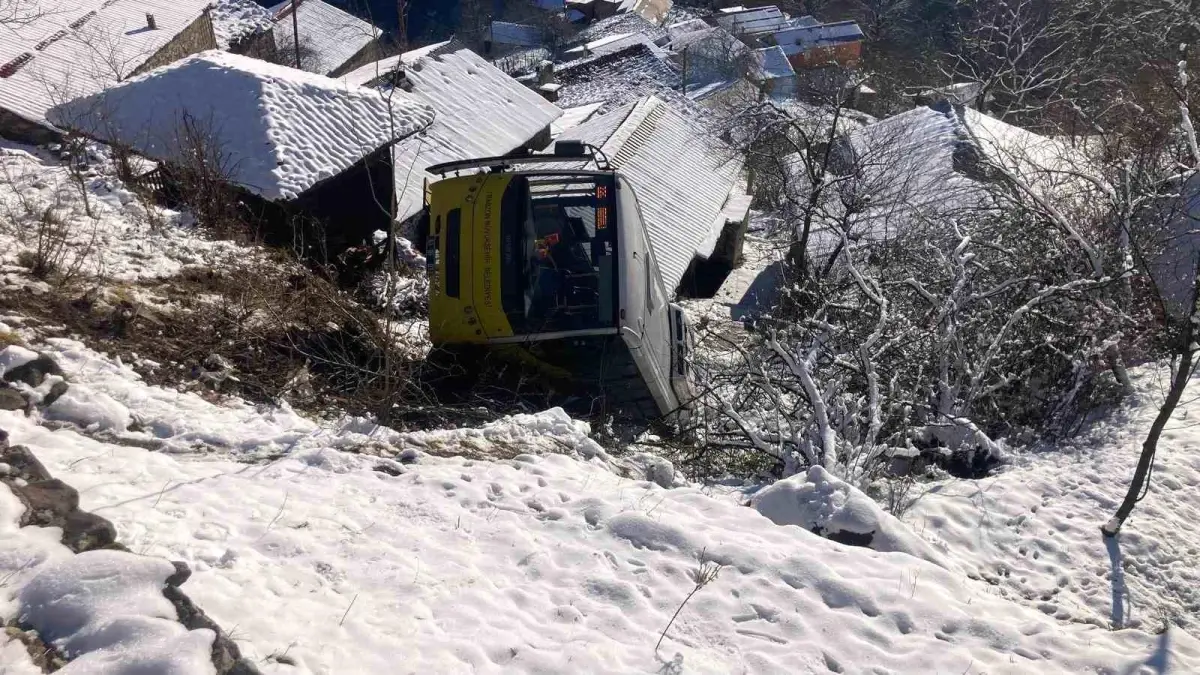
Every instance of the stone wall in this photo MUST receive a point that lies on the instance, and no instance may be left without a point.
(258, 46)
(197, 37)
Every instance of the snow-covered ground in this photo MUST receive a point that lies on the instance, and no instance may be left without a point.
(1033, 529)
(521, 546)
(342, 548)
(122, 241)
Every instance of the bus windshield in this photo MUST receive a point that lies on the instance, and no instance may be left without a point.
(566, 253)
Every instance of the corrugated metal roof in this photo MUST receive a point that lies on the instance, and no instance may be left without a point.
(906, 165)
(282, 130)
(803, 38)
(79, 47)
(480, 112)
(366, 74)
(331, 35)
(612, 44)
(773, 63)
(754, 21)
(573, 117)
(620, 23)
(684, 178)
(519, 34)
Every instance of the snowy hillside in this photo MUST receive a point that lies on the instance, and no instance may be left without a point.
(344, 548)
(220, 456)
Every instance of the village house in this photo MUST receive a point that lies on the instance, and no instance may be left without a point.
(774, 73)
(308, 157)
(838, 43)
(807, 42)
(505, 37)
(64, 52)
(689, 189)
(479, 112)
(332, 41)
(614, 79)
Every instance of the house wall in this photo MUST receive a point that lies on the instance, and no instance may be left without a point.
(258, 46)
(345, 210)
(197, 37)
(843, 54)
(370, 53)
(17, 128)
(540, 141)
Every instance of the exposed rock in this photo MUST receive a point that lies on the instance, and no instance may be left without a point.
(42, 655)
(84, 531)
(390, 469)
(182, 574)
(21, 461)
(226, 656)
(47, 502)
(11, 399)
(56, 391)
(34, 372)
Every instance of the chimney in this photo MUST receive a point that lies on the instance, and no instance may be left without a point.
(150, 22)
(549, 91)
(545, 73)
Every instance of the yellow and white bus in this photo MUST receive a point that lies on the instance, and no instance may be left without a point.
(521, 252)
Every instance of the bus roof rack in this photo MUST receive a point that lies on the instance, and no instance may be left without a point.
(564, 151)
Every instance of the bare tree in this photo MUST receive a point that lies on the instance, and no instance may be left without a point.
(937, 295)
(1162, 233)
(16, 13)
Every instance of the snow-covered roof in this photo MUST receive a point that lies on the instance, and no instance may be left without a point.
(518, 34)
(908, 166)
(654, 11)
(678, 30)
(329, 37)
(754, 21)
(620, 23)
(686, 181)
(236, 20)
(803, 38)
(773, 63)
(573, 117)
(480, 112)
(77, 47)
(368, 73)
(617, 78)
(610, 44)
(283, 130)
(1048, 165)
(960, 93)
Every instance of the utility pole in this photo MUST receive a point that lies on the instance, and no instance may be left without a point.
(296, 32)
(402, 24)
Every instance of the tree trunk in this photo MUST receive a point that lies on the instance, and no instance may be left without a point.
(1183, 373)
